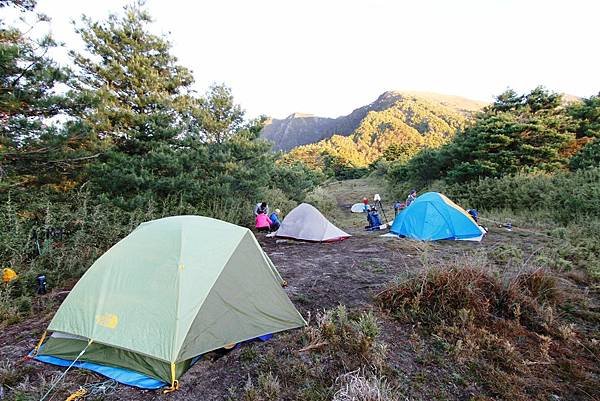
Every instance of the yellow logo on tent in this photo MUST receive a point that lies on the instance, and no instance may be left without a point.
(107, 320)
(8, 275)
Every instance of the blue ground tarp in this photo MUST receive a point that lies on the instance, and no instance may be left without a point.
(121, 375)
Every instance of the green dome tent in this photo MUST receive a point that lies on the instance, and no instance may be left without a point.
(171, 290)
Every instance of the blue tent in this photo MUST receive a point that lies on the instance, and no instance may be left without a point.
(432, 217)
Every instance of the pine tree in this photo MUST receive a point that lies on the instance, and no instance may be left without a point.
(587, 115)
(219, 118)
(128, 86)
(33, 151)
(515, 133)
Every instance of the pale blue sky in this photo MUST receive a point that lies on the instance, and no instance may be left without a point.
(327, 57)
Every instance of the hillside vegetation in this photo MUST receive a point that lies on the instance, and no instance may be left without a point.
(410, 123)
(302, 129)
(529, 155)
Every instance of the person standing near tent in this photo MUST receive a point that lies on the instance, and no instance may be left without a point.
(261, 207)
(398, 206)
(411, 197)
(366, 203)
(263, 223)
(275, 222)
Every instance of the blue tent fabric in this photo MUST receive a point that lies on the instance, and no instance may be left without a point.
(432, 216)
(123, 376)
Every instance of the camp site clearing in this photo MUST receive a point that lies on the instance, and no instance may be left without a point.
(321, 276)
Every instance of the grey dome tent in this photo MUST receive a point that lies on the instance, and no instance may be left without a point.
(306, 223)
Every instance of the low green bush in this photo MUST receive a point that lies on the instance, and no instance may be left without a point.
(564, 196)
(322, 200)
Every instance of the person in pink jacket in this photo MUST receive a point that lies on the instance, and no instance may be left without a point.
(263, 223)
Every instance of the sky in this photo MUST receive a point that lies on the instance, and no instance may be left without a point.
(328, 57)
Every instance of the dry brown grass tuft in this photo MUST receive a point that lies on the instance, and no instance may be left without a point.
(364, 386)
(455, 295)
(505, 333)
(335, 342)
(351, 340)
(268, 388)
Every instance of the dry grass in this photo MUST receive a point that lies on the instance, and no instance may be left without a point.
(452, 294)
(350, 341)
(364, 386)
(267, 388)
(504, 332)
(335, 342)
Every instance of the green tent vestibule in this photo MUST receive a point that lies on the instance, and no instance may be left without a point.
(173, 289)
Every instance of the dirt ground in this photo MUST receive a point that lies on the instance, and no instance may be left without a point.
(320, 276)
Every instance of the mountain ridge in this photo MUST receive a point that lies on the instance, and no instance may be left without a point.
(299, 129)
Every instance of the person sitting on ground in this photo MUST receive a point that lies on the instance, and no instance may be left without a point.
(263, 223)
(411, 197)
(275, 222)
(261, 207)
(373, 219)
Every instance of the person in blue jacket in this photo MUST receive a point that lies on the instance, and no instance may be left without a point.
(373, 219)
(275, 222)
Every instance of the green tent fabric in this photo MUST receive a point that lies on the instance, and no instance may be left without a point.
(171, 290)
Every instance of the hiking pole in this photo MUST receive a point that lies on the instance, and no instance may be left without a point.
(383, 211)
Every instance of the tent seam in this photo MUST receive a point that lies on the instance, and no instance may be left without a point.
(178, 272)
(252, 238)
(445, 219)
(208, 292)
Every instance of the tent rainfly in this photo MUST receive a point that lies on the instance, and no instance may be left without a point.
(172, 290)
(432, 216)
(359, 208)
(306, 223)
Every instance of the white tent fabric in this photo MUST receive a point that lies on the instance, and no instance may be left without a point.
(358, 208)
(306, 223)
(475, 239)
